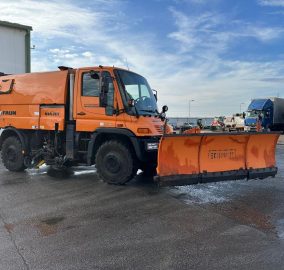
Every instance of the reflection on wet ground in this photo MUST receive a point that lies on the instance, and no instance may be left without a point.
(82, 223)
(258, 203)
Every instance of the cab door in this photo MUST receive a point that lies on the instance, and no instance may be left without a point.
(94, 100)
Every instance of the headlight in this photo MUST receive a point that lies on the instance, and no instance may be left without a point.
(152, 146)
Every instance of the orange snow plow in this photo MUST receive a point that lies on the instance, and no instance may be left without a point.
(210, 157)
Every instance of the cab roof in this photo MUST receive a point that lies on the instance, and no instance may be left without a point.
(260, 104)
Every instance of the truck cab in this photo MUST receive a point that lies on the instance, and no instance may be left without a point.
(259, 110)
(107, 97)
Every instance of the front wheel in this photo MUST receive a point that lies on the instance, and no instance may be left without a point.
(12, 156)
(115, 163)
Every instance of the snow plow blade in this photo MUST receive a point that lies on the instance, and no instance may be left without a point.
(212, 157)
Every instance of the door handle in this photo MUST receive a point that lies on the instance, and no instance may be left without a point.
(81, 113)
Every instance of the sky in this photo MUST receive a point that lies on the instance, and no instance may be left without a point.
(218, 53)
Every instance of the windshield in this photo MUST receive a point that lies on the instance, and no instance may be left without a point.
(137, 88)
(253, 113)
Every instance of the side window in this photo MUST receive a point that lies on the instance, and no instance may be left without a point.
(90, 86)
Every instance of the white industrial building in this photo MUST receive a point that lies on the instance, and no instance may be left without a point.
(15, 45)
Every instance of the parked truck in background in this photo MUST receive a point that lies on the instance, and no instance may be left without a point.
(234, 123)
(109, 117)
(269, 112)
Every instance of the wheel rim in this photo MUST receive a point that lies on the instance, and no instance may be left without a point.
(112, 163)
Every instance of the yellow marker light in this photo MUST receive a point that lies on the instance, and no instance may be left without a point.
(143, 130)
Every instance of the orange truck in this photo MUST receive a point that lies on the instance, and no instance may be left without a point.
(109, 117)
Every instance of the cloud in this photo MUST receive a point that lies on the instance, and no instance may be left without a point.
(211, 32)
(63, 24)
(49, 19)
(274, 79)
(87, 54)
(235, 83)
(263, 33)
(199, 2)
(211, 80)
(272, 3)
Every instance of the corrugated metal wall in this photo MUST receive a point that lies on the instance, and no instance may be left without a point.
(12, 50)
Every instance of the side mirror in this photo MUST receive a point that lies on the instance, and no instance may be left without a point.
(165, 108)
(155, 92)
(163, 113)
(163, 116)
(131, 102)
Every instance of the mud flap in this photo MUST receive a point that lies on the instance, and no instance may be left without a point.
(210, 157)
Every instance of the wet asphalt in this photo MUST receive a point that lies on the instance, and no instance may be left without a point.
(83, 223)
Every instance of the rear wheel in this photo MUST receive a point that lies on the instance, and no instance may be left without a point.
(115, 163)
(12, 156)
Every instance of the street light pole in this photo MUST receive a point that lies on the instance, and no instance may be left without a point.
(241, 106)
(190, 100)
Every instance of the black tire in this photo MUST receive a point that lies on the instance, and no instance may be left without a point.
(115, 163)
(12, 156)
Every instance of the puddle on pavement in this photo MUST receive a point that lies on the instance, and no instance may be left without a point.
(245, 214)
(205, 193)
(231, 199)
(9, 227)
(280, 228)
(83, 172)
(73, 171)
(49, 226)
(39, 171)
(14, 181)
(52, 220)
